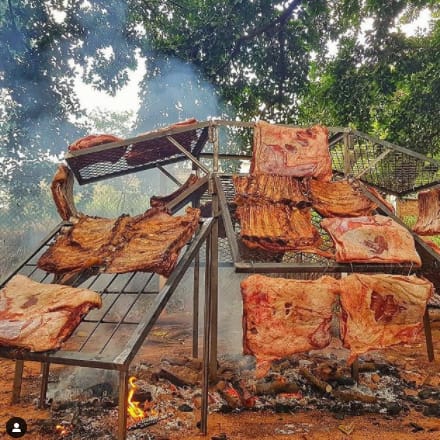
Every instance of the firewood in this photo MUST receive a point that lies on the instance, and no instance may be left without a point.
(318, 383)
(275, 387)
(350, 395)
(179, 376)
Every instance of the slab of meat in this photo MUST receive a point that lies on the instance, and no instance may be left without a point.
(41, 317)
(289, 151)
(277, 227)
(270, 188)
(340, 199)
(381, 310)
(153, 243)
(282, 317)
(98, 139)
(374, 239)
(150, 242)
(156, 201)
(428, 221)
(62, 192)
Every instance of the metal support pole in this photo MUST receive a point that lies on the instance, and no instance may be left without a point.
(428, 335)
(18, 379)
(122, 412)
(348, 147)
(355, 370)
(196, 294)
(206, 338)
(214, 282)
(44, 381)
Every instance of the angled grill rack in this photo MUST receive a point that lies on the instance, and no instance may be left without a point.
(139, 153)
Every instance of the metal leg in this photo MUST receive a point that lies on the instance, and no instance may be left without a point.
(122, 412)
(206, 340)
(355, 370)
(214, 290)
(18, 378)
(428, 335)
(44, 381)
(196, 289)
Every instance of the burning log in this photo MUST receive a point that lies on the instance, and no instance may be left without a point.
(179, 375)
(350, 395)
(318, 383)
(277, 386)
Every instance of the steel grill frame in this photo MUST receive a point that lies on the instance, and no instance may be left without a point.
(353, 154)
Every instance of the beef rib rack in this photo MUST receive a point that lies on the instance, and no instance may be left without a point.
(428, 221)
(149, 242)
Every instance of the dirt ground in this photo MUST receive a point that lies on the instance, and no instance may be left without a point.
(310, 425)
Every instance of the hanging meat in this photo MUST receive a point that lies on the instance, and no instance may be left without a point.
(62, 192)
(282, 317)
(40, 317)
(341, 199)
(289, 151)
(150, 242)
(428, 221)
(269, 188)
(373, 239)
(381, 310)
(277, 228)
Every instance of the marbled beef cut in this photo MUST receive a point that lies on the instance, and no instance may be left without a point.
(373, 239)
(41, 317)
(282, 317)
(289, 151)
(381, 310)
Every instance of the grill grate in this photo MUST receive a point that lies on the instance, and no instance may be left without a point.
(395, 171)
(136, 154)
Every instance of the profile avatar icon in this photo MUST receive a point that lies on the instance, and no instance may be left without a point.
(16, 427)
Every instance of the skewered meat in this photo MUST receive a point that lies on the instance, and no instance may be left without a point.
(62, 192)
(148, 242)
(277, 228)
(289, 151)
(156, 201)
(41, 317)
(270, 188)
(340, 199)
(428, 221)
(282, 317)
(374, 239)
(381, 310)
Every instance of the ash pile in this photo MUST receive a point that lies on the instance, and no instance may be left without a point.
(169, 394)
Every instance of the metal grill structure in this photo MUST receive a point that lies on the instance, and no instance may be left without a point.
(110, 338)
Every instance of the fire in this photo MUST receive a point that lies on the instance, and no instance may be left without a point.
(134, 409)
(62, 430)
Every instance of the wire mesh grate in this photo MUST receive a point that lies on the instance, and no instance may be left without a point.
(135, 155)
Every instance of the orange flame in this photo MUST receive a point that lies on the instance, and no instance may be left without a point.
(134, 409)
(62, 430)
